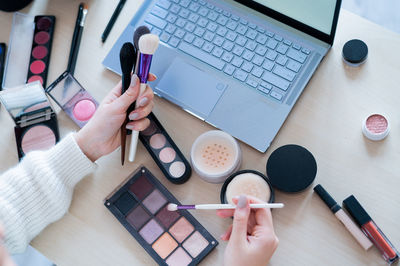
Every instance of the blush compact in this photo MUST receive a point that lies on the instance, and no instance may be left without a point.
(69, 94)
(36, 125)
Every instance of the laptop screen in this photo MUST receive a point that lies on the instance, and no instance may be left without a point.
(317, 14)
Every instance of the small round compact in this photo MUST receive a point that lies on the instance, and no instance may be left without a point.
(375, 127)
(355, 52)
(291, 168)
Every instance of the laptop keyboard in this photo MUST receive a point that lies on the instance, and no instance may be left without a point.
(249, 53)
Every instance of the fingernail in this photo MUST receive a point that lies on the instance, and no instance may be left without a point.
(133, 116)
(143, 101)
(134, 80)
(129, 127)
(242, 202)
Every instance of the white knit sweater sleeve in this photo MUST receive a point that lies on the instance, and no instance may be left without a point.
(38, 191)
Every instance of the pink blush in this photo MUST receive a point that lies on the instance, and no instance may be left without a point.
(84, 110)
(376, 124)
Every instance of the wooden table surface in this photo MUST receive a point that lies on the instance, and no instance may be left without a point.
(326, 120)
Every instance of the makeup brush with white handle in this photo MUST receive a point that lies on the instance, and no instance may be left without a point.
(174, 207)
(148, 45)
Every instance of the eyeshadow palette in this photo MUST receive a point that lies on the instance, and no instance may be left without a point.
(41, 48)
(69, 94)
(165, 152)
(171, 238)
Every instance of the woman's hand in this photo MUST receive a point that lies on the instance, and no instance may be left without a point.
(252, 240)
(101, 135)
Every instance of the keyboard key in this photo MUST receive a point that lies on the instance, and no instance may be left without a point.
(218, 52)
(296, 46)
(218, 41)
(226, 14)
(241, 40)
(235, 18)
(306, 51)
(184, 13)
(189, 37)
(282, 49)
(251, 45)
(263, 89)
(180, 23)
(199, 31)
(175, 9)
(276, 95)
(262, 39)
(170, 29)
(227, 57)
(266, 85)
(278, 38)
(271, 55)
(218, 10)
(164, 4)
(193, 17)
(209, 36)
(228, 45)
(171, 18)
(212, 16)
(202, 22)
(243, 21)
(275, 80)
(248, 55)
(199, 54)
(229, 69)
(257, 72)
(237, 50)
(252, 83)
(284, 73)
(258, 60)
(190, 27)
(185, 3)
(261, 50)
(240, 75)
(212, 26)
(203, 11)
(231, 25)
(198, 42)
(164, 37)
(247, 66)
(231, 36)
(237, 62)
(159, 12)
(269, 33)
(252, 26)
(287, 42)
(179, 33)
(268, 65)
(153, 20)
(260, 30)
(156, 31)
(210, 6)
(293, 65)
(174, 42)
(272, 44)
(241, 29)
(208, 47)
(194, 7)
(222, 20)
(296, 55)
(251, 34)
(202, 2)
(222, 31)
(281, 60)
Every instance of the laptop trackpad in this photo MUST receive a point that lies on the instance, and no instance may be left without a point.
(191, 88)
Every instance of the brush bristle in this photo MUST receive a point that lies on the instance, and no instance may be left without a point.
(148, 43)
(172, 207)
(127, 58)
(139, 32)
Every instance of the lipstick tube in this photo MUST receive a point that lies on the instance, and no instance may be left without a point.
(343, 217)
(370, 229)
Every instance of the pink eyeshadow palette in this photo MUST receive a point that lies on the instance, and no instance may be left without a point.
(165, 152)
(36, 123)
(170, 238)
(69, 94)
(41, 48)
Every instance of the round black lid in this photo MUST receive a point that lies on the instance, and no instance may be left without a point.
(13, 5)
(291, 168)
(355, 51)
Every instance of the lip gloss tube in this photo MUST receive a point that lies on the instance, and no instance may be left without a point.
(343, 217)
(370, 229)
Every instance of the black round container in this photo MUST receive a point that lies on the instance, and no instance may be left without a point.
(230, 178)
(355, 52)
(13, 5)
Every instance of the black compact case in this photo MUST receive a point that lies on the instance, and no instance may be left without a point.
(178, 170)
(2, 57)
(36, 125)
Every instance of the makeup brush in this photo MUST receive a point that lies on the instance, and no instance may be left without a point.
(76, 38)
(174, 207)
(127, 59)
(148, 45)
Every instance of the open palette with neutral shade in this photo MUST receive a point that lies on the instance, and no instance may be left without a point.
(171, 238)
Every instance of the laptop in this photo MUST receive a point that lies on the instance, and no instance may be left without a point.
(238, 65)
